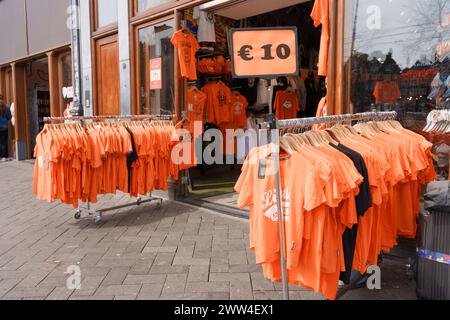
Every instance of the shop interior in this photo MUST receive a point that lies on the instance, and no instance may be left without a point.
(38, 97)
(214, 184)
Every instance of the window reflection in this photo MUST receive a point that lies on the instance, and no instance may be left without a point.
(156, 97)
(107, 12)
(143, 5)
(395, 51)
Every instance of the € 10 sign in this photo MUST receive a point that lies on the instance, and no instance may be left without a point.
(264, 52)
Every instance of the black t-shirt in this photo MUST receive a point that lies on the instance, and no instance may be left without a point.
(363, 203)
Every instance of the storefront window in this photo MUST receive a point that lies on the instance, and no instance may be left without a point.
(143, 5)
(156, 69)
(106, 12)
(393, 52)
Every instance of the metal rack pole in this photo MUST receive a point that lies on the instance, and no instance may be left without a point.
(274, 125)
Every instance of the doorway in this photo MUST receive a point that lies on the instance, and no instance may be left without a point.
(107, 76)
(213, 185)
(38, 98)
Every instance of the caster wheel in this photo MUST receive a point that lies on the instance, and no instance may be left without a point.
(97, 219)
(78, 215)
(159, 204)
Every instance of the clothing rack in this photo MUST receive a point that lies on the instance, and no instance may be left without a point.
(273, 124)
(98, 214)
(103, 118)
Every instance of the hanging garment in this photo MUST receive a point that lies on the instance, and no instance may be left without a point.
(286, 105)
(325, 196)
(206, 29)
(320, 15)
(196, 103)
(218, 103)
(387, 92)
(187, 47)
(239, 107)
(75, 163)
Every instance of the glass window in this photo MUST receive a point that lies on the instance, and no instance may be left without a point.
(143, 5)
(156, 69)
(107, 12)
(66, 70)
(393, 52)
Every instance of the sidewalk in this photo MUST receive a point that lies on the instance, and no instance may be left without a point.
(176, 252)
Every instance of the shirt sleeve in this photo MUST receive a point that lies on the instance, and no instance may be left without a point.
(316, 13)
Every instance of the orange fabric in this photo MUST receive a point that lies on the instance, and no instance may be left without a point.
(218, 103)
(286, 105)
(386, 92)
(239, 107)
(75, 164)
(320, 15)
(398, 163)
(196, 102)
(187, 47)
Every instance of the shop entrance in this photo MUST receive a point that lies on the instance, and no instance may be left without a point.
(214, 184)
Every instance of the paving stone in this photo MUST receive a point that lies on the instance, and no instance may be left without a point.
(243, 277)
(60, 293)
(150, 291)
(241, 290)
(191, 261)
(35, 292)
(115, 276)
(145, 279)
(208, 287)
(119, 290)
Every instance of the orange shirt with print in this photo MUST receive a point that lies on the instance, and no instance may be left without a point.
(187, 47)
(196, 102)
(239, 107)
(286, 105)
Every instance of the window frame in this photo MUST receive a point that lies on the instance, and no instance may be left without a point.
(96, 30)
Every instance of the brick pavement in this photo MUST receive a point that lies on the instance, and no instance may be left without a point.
(176, 252)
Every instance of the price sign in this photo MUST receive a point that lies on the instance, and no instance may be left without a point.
(264, 52)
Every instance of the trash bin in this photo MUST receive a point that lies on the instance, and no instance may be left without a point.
(433, 267)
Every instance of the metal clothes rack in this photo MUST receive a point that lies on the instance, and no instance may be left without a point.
(273, 124)
(98, 214)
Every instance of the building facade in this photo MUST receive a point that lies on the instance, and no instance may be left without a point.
(35, 64)
(120, 39)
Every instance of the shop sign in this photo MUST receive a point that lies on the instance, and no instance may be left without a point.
(156, 74)
(264, 52)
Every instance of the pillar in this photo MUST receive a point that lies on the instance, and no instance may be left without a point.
(124, 57)
(55, 90)
(86, 57)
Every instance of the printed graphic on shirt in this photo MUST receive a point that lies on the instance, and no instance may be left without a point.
(270, 207)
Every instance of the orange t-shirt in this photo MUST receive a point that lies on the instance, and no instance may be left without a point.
(187, 47)
(219, 101)
(320, 15)
(286, 105)
(386, 92)
(239, 107)
(196, 102)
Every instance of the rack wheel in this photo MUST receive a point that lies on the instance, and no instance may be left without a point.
(78, 215)
(97, 218)
(159, 204)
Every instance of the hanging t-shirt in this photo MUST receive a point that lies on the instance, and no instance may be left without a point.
(206, 27)
(386, 92)
(286, 105)
(218, 105)
(187, 47)
(239, 107)
(320, 14)
(196, 102)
